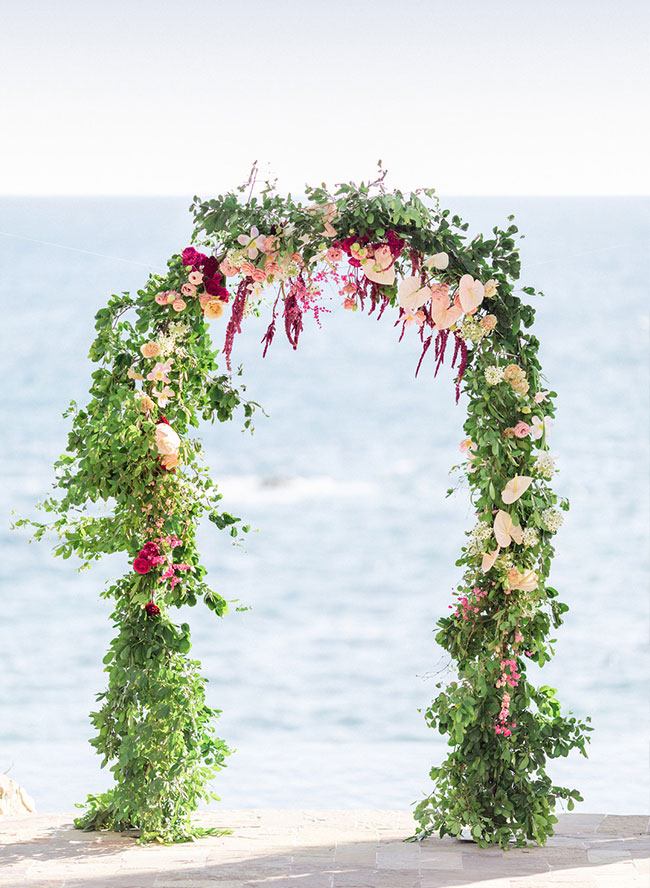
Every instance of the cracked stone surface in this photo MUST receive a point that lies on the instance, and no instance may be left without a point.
(321, 849)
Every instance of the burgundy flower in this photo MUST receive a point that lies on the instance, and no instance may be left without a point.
(141, 565)
(149, 550)
(190, 256)
(162, 419)
(211, 268)
(151, 609)
(212, 285)
(223, 294)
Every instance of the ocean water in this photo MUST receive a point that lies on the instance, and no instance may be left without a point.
(353, 559)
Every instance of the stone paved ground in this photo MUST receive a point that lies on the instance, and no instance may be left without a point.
(321, 849)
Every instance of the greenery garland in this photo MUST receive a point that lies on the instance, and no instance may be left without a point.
(132, 480)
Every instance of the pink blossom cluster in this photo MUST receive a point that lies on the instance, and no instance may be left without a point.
(503, 726)
(170, 573)
(511, 679)
(468, 606)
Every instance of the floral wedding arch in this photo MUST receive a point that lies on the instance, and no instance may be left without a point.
(131, 449)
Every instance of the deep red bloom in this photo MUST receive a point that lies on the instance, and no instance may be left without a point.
(141, 565)
(212, 286)
(211, 268)
(151, 609)
(162, 419)
(190, 256)
(149, 550)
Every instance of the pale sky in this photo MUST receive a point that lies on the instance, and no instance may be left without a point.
(476, 97)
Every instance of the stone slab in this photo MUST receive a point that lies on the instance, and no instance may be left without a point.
(321, 849)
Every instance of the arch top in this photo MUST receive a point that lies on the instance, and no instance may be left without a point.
(379, 249)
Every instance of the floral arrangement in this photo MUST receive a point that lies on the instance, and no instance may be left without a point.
(383, 253)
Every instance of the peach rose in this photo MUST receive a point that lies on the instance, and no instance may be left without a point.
(204, 298)
(150, 349)
(170, 461)
(179, 304)
(195, 278)
(247, 269)
(512, 372)
(488, 323)
(350, 304)
(521, 430)
(188, 289)
(259, 275)
(146, 404)
(271, 267)
(521, 386)
(228, 269)
(213, 309)
(334, 254)
(161, 298)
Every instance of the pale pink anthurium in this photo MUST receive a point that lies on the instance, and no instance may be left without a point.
(444, 315)
(488, 559)
(471, 293)
(526, 581)
(380, 269)
(505, 530)
(515, 488)
(411, 294)
(439, 261)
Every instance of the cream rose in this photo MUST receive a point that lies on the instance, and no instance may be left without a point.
(167, 441)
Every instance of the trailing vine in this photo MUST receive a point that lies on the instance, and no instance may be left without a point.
(132, 480)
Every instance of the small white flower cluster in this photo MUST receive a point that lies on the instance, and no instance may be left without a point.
(494, 375)
(167, 341)
(177, 329)
(544, 465)
(471, 330)
(236, 255)
(505, 561)
(481, 531)
(529, 537)
(479, 535)
(552, 519)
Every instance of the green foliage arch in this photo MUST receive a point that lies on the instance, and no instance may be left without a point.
(132, 480)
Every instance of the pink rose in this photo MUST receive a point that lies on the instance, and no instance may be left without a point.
(259, 275)
(195, 278)
(334, 254)
(247, 269)
(522, 430)
(228, 269)
(179, 304)
(161, 298)
(271, 267)
(142, 565)
(350, 304)
(188, 290)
